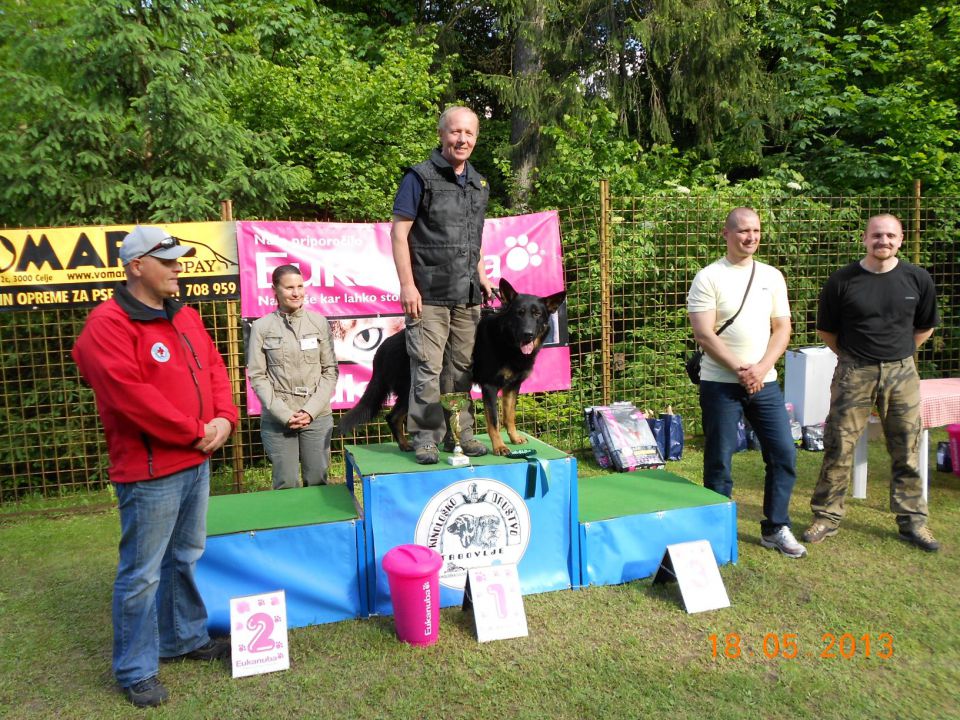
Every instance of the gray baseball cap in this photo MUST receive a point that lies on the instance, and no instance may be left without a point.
(149, 240)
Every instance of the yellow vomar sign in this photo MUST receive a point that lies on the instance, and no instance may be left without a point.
(62, 267)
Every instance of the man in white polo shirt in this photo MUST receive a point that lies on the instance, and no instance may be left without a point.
(738, 374)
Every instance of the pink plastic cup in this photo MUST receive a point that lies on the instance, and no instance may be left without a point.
(954, 431)
(413, 572)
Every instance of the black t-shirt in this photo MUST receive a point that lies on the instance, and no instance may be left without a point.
(875, 315)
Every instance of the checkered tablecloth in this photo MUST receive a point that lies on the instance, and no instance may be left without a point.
(940, 402)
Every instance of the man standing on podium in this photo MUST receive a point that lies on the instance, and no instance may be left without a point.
(437, 230)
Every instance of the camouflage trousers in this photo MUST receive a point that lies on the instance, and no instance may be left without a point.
(857, 387)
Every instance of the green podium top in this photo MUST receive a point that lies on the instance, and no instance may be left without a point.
(272, 509)
(387, 458)
(640, 492)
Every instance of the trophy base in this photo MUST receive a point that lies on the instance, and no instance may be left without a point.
(458, 460)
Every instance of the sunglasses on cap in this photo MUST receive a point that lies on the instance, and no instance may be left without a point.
(165, 244)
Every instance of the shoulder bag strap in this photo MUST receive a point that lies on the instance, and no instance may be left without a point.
(746, 292)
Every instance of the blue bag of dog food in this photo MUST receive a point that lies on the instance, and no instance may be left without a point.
(673, 435)
(659, 430)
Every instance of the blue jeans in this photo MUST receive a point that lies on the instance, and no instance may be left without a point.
(721, 405)
(157, 609)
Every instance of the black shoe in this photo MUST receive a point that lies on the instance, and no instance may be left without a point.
(471, 448)
(147, 693)
(215, 649)
(921, 537)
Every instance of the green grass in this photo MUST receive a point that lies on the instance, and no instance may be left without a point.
(628, 651)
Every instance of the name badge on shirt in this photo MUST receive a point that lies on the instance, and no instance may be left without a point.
(309, 343)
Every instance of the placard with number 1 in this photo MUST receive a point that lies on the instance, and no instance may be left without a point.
(494, 594)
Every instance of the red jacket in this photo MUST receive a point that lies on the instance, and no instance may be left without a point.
(157, 381)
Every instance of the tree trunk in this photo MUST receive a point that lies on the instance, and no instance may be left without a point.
(524, 126)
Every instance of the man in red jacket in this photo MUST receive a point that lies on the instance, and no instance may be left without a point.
(165, 402)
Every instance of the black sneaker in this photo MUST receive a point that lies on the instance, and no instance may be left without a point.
(921, 537)
(214, 649)
(147, 693)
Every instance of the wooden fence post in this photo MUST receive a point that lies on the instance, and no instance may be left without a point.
(234, 361)
(916, 222)
(606, 312)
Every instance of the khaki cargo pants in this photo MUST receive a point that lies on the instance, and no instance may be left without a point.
(440, 346)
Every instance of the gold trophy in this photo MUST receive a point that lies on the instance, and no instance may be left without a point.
(453, 403)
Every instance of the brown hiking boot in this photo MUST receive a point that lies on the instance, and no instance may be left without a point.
(427, 455)
(471, 448)
(818, 531)
(921, 537)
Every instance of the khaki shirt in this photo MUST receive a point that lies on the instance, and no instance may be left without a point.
(292, 365)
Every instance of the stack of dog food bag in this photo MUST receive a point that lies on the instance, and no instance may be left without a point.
(622, 438)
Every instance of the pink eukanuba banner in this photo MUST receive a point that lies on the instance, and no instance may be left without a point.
(350, 278)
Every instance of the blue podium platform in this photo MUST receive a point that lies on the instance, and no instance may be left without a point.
(496, 510)
(627, 520)
(307, 542)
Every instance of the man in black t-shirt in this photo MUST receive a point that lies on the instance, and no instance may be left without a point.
(874, 314)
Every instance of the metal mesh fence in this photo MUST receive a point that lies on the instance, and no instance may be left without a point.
(629, 269)
(628, 265)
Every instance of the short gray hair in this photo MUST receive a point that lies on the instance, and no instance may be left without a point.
(442, 122)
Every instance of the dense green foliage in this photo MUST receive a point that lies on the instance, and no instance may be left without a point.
(116, 111)
(156, 111)
(870, 105)
(354, 104)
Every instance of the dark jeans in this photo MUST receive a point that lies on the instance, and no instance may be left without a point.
(721, 405)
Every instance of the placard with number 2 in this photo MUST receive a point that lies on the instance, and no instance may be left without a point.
(259, 633)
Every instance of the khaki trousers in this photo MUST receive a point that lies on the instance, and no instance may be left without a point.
(440, 346)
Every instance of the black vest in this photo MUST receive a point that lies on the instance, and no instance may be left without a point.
(447, 232)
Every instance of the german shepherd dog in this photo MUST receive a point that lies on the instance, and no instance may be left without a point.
(506, 347)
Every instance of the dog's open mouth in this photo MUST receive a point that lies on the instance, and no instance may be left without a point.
(527, 348)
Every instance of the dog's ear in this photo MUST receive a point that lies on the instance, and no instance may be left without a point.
(507, 293)
(555, 301)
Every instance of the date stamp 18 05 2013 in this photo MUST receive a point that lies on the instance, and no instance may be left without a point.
(832, 646)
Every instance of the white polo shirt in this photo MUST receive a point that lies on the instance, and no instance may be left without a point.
(720, 286)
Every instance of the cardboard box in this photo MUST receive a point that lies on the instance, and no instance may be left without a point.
(806, 384)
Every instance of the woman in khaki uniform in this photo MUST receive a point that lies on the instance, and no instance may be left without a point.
(293, 370)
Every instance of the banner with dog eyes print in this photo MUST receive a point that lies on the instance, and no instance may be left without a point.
(349, 277)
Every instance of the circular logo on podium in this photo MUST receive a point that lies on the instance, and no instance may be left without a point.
(474, 523)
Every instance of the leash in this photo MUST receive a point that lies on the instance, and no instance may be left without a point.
(537, 470)
(486, 307)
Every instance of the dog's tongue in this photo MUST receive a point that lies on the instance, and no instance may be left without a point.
(527, 348)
